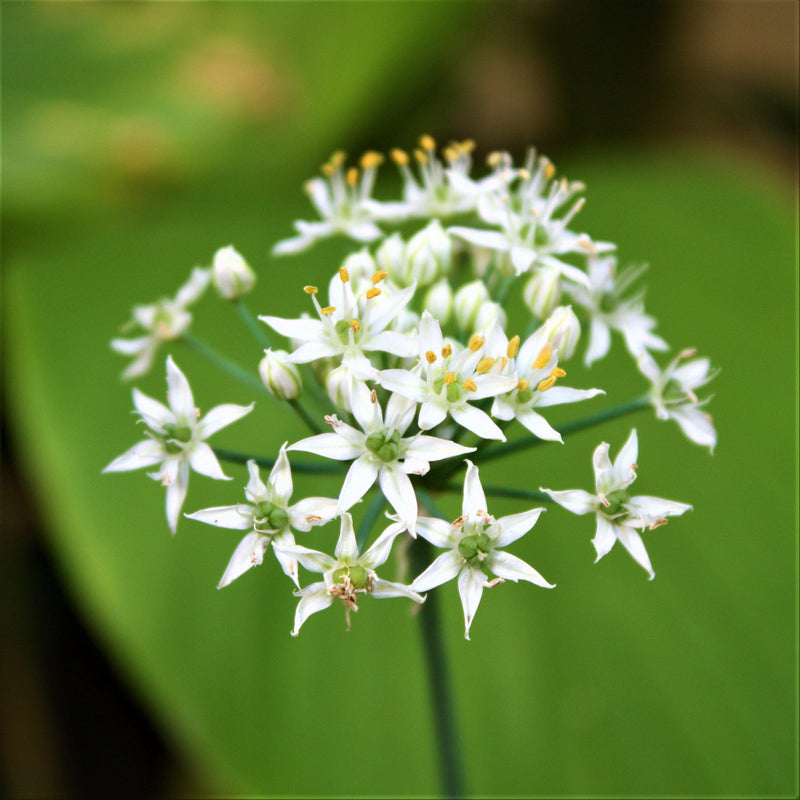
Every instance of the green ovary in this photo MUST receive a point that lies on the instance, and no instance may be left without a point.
(359, 577)
(384, 445)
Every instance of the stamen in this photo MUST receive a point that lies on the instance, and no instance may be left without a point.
(371, 159)
(431, 356)
(355, 325)
(451, 154)
(658, 523)
(688, 352)
(338, 158)
(449, 378)
(310, 289)
(447, 351)
(557, 372)
(328, 170)
(421, 157)
(427, 142)
(523, 385)
(459, 521)
(503, 362)
(546, 384)
(400, 157)
(373, 292)
(513, 347)
(475, 343)
(495, 158)
(543, 357)
(327, 310)
(379, 276)
(468, 145)
(344, 274)
(352, 176)
(373, 396)
(524, 174)
(549, 170)
(470, 385)
(484, 365)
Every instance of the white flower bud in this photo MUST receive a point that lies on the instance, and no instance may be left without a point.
(467, 302)
(428, 254)
(439, 300)
(542, 292)
(487, 315)
(231, 274)
(391, 256)
(281, 378)
(360, 268)
(339, 385)
(563, 331)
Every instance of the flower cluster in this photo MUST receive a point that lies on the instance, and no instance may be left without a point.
(411, 364)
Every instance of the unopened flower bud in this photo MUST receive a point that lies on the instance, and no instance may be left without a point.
(542, 292)
(467, 302)
(391, 256)
(339, 385)
(563, 331)
(487, 315)
(360, 267)
(231, 274)
(439, 301)
(428, 254)
(281, 378)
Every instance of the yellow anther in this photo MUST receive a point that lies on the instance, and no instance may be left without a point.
(546, 384)
(420, 156)
(493, 159)
(344, 274)
(475, 343)
(355, 325)
(373, 396)
(543, 357)
(310, 289)
(447, 351)
(549, 170)
(399, 156)
(470, 385)
(427, 142)
(503, 362)
(451, 154)
(328, 169)
(449, 378)
(557, 372)
(338, 158)
(379, 276)
(467, 146)
(524, 174)
(430, 356)
(513, 347)
(371, 159)
(327, 310)
(373, 292)
(523, 385)
(484, 365)
(352, 176)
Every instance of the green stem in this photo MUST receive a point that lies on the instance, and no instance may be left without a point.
(224, 363)
(257, 329)
(305, 416)
(373, 512)
(622, 410)
(269, 463)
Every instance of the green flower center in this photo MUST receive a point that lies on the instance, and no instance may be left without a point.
(616, 502)
(474, 548)
(673, 392)
(384, 444)
(608, 303)
(343, 328)
(271, 516)
(176, 437)
(451, 385)
(359, 577)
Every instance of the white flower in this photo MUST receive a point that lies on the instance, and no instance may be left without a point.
(380, 451)
(445, 382)
(673, 394)
(473, 543)
(535, 365)
(268, 517)
(349, 326)
(618, 514)
(603, 299)
(232, 275)
(176, 439)
(347, 575)
(343, 202)
(165, 320)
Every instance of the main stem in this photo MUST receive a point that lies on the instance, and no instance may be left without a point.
(439, 683)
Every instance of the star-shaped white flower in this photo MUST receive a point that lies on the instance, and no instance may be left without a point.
(268, 517)
(380, 451)
(176, 439)
(350, 326)
(618, 514)
(346, 575)
(446, 382)
(473, 543)
(343, 201)
(163, 321)
(673, 394)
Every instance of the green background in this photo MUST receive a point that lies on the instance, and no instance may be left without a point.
(125, 164)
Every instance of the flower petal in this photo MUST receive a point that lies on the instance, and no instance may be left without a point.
(396, 487)
(301, 330)
(653, 509)
(287, 561)
(311, 351)
(575, 500)
(477, 421)
(329, 445)
(605, 537)
(238, 517)
(565, 394)
(539, 426)
(444, 568)
(220, 417)
(361, 475)
(470, 588)
(403, 382)
(155, 415)
(312, 560)
(625, 462)
(599, 341)
(347, 546)
(695, 424)
(176, 494)
(143, 454)
(515, 525)
(314, 598)
(511, 568)
(432, 448)
(381, 588)
(379, 550)
(474, 498)
(248, 553)
(430, 415)
(312, 511)
(633, 543)
(435, 530)
(203, 460)
(179, 393)
(280, 479)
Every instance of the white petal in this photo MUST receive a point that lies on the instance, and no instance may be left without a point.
(443, 569)
(312, 511)
(179, 393)
(315, 598)
(192, 290)
(430, 335)
(436, 531)
(599, 341)
(361, 475)
(515, 525)
(430, 415)
(695, 424)
(255, 490)
(693, 374)
(329, 445)
(381, 588)
(491, 239)
(238, 517)
(504, 565)
(396, 487)
(477, 421)
(294, 245)
(131, 347)
(220, 417)
(143, 454)
(652, 509)
(470, 588)
(302, 330)
(311, 351)
(605, 536)
(368, 414)
(633, 543)
(203, 460)
(522, 258)
(390, 308)
(432, 448)
(575, 500)
(280, 480)
(379, 551)
(474, 498)
(603, 471)
(400, 412)
(312, 560)
(403, 382)
(141, 364)
(565, 394)
(248, 553)
(347, 546)
(492, 385)
(287, 561)
(539, 426)
(399, 344)
(625, 462)
(155, 415)
(176, 494)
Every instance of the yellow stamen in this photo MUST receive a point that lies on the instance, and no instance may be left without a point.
(467, 146)
(373, 395)
(451, 154)
(371, 159)
(327, 310)
(373, 292)
(344, 274)
(513, 347)
(352, 176)
(543, 357)
(546, 384)
(310, 289)
(475, 343)
(549, 170)
(379, 276)
(557, 372)
(328, 170)
(524, 174)
(427, 142)
(447, 351)
(399, 157)
(420, 156)
(338, 158)
(430, 356)
(523, 385)
(484, 365)
(493, 159)
(355, 325)
(470, 385)
(449, 378)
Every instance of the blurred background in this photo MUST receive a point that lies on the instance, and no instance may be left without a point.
(140, 137)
